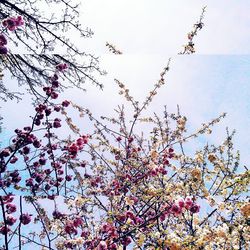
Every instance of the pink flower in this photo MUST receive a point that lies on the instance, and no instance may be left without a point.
(42, 161)
(77, 222)
(138, 220)
(10, 208)
(130, 215)
(65, 103)
(176, 210)
(57, 108)
(69, 228)
(68, 177)
(102, 245)
(3, 50)
(126, 241)
(54, 95)
(10, 220)
(113, 246)
(85, 139)
(79, 142)
(8, 198)
(119, 138)
(25, 219)
(37, 144)
(195, 208)
(5, 153)
(163, 217)
(73, 149)
(29, 182)
(3, 40)
(57, 215)
(13, 160)
(4, 230)
(61, 67)
(181, 202)
(55, 84)
(57, 123)
(19, 21)
(12, 23)
(188, 202)
(85, 234)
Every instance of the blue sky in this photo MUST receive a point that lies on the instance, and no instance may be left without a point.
(205, 85)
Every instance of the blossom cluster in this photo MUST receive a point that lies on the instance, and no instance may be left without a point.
(26, 142)
(77, 146)
(117, 189)
(187, 203)
(11, 24)
(10, 208)
(120, 189)
(3, 43)
(148, 194)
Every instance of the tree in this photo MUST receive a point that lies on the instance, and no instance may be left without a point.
(39, 35)
(121, 189)
(115, 188)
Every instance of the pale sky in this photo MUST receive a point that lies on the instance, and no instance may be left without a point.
(160, 27)
(204, 85)
(148, 32)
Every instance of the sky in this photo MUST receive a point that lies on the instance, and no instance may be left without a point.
(160, 27)
(213, 81)
(204, 85)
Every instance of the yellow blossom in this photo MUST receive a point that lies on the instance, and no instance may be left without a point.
(196, 173)
(245, 210)
(211, 157)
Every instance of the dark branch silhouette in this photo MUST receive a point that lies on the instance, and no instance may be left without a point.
(40, 37)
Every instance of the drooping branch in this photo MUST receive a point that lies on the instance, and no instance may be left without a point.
(42, 34)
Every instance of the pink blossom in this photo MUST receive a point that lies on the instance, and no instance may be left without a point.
(195, 208)
(61, 67)
(181, 202)
(19, 21)
(10, 208)
(3, 40)
(176, 210)
(77, 222)
(25, 219)
(10, 220)
(4, 230)
(126, 241)
(188, 202)
(65, 103)
(13, 23)
(102, 245)
(70, 229)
